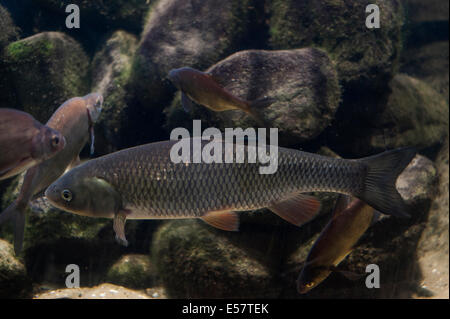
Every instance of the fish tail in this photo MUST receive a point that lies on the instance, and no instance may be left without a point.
(18, 213)
(383, 170)
(256, 108)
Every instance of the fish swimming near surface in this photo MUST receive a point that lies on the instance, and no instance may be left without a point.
(74, 119)
(144, 183)
(203, 89)
(351, 218)
(25, 142)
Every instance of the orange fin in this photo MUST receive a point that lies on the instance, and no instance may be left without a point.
(298, 209)
(225, 220)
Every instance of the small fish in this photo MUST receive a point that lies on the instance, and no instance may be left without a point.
(203, 89)
(25, 142)
(350, 220)
(144, 183)
(74, 119)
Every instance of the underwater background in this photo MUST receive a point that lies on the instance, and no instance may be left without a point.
(340, 89)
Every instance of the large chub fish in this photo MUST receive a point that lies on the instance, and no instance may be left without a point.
(143, 183)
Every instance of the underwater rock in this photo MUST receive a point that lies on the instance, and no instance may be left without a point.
(111, 69)
(109, 14)
(9, 31)
(430, 10)
(181, 33)
(132, 271)
(415, 115)
(360, 54)
(302, 82)
(433, 246)
(429, 63)
(195, 261)
(14, 282)
(45, 70)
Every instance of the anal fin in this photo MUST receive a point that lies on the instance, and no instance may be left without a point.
(224, 220)
(298, 209)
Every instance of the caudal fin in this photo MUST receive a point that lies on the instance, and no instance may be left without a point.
(18, 215)
(382, 172)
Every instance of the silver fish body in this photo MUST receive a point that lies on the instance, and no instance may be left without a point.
(143, 183)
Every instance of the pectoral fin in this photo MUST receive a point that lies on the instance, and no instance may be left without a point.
(186, 102)
(225, 220)
(119, 226)
(297, 209)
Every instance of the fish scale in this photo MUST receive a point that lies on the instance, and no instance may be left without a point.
(151, 183)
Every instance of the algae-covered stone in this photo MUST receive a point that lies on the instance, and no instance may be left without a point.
(109, 14)
(9, 31)
(132, 271)
(339, 27)
(45, 70)
(183, 33)
(302, 83)
(429, 63)
(430, 10)
(13, 277)
(111, 69)
(415, 115)
(433, 246)
(196, 261)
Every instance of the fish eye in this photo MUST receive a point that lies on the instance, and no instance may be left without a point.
(55, 141)
(66, 195)
(309, 284)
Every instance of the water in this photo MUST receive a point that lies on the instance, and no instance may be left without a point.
(340, 88)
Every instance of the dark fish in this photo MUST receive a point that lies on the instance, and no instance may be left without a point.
(203, 89)
(74, 119)
(24, 142)
(143, 183)
(349, 222)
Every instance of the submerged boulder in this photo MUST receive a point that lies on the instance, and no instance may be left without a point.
(195, 261)
(360, 54)
(132, 271)
(127, 14)
(302, 83)
(14, 282)
(9, 30)
(111, 69)
(414, 115)
(180, 33)
(429, 63)
(44, 70)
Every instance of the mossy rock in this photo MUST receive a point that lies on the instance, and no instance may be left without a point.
(429, 63)
(302, 83)
(111, 68)
(180, 33)
(10, 31)
(132, 271)
(14, 282)
(338, 26)
(112, 14)
(195, 261)
(45, 70)
(415, 115)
